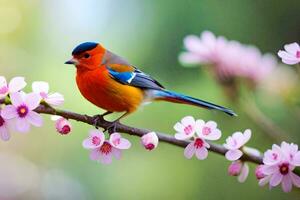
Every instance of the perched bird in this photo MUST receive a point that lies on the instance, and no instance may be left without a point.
(113, 84)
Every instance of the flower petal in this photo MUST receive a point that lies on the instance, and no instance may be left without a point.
(233, 155)
(296, 160)
(276, 179)
(189, 150)
(269, 169)
(88, 143)
(201, 153)
(4, 133)
(244, 173)
(193, 43)
(178, 127)
(295, 179)
(40, 86)
(55, 99)
(9, 112)
(3, 82)
(16, 84)
(247, 136)
(95, 154)
(118, 142)
(211, 124)
(32, 100)
(292, 48)
(22, 125)
(286, 184)
(264, 181)
(34, 118)
(190, 58)
(16, 99)
(117, 153)
(3, 87)
(188, 120)
(105, 158)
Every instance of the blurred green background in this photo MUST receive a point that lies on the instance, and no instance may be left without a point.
(36, 37)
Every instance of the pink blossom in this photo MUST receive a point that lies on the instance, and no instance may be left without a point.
(16, 84)
(278, 167)
(95, 140)
(62, 125)
(273, 156)
(103, 150)
(198, 147)
(208, 130)
(22, 112)
(42, 88)
(149, 141)
(291, 54)
(186, 128)
(4, 128)
(234, 143)
(240, 169)
(205, 131)
(228, 58)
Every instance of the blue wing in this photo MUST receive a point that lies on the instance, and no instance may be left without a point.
(135, 78)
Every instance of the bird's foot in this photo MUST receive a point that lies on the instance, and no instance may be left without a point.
(112, 128)
(99, 118)
(96, 120)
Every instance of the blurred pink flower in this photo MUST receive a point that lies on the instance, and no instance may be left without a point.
(234, 143)
(259, 173)
(186, 128)
(291, 54)
(22, 112)
(149, 141)
(205, 49)
(229, 59)
(208, 130)
(103, 150)
(42, 88)
(4, 128)
(16, 84)
(62, 125)
(278, 167)
(240, 169)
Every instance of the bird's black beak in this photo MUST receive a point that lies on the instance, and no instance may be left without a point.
(72, 62)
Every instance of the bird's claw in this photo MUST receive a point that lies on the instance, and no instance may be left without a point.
(112, 128)
(96, 120)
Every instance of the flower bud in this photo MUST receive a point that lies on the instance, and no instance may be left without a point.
(258, 172)
(149, 141)
(62, 125)
(235, 168)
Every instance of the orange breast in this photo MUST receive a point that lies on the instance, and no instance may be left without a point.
(100, 89)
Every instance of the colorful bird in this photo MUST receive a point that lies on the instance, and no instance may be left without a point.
(113, 84)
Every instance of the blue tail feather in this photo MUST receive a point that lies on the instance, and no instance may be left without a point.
(180, 98)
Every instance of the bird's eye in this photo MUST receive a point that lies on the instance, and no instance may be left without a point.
(86, 55)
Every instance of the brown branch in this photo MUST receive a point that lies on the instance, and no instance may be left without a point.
(219, 149)
(44, 109)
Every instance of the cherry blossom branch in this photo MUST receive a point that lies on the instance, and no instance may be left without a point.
(45, 109)
(216, 148)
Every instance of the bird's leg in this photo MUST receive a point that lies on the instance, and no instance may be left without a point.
(98, 118)
(113, 126)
